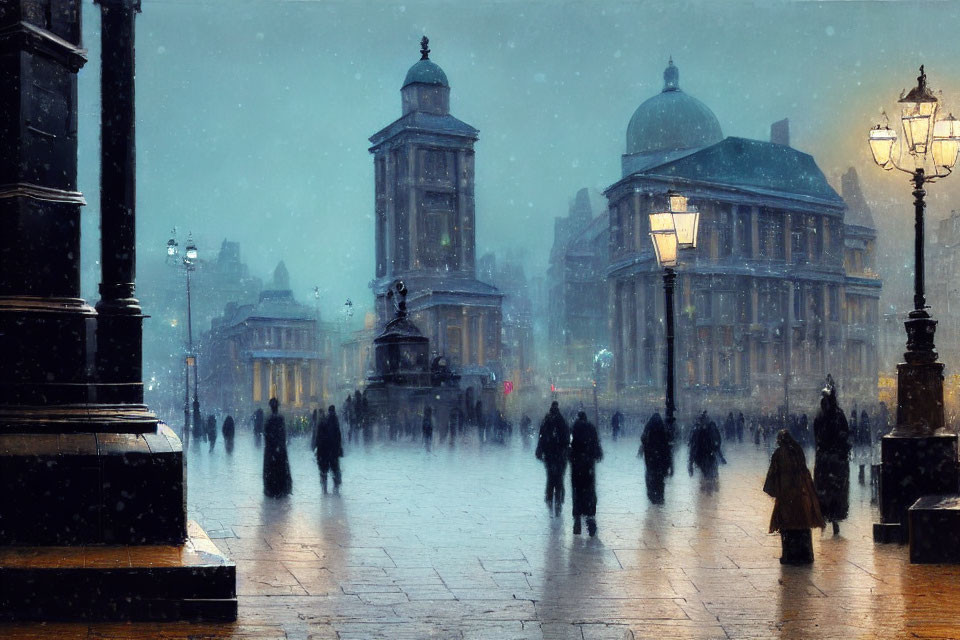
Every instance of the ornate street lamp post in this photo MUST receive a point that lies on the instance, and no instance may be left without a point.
(189, 263)
(190, 258)
(918, 458)
(672, 231)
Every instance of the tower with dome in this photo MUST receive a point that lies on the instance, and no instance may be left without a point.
(768, 303)
(425, 227)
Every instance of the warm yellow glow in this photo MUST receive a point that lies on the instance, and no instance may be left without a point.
(917, 119)
(665, 247)
(946, 142)
(174, 322)
(881, 144)
(661, 222)
(677, 202)
(686, 225)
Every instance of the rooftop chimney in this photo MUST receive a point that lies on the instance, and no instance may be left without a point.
(780, 132)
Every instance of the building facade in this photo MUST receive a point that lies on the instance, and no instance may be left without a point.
(577, 299)
(218, 280)
(762, 303)
(273, 348)
(426, 224)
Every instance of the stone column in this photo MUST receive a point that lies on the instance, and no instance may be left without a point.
(119, 326)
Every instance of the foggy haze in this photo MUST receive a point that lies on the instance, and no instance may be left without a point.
(253, 116)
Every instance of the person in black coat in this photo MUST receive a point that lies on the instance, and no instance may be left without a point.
(328, 443)
(831, 469)
(706, 452)
(212, 430)
(657, 456)
(553, 446)
(427, 427)
(585, 453)
(276, 466)
(616, 425)
(740, 422)
(229, 431)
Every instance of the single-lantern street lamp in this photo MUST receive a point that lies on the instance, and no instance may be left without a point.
(912, 463)
(671, 231)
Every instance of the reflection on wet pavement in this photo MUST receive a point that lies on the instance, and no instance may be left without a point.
(457, 543)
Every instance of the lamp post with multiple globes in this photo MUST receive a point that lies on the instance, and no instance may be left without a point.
(918, 458)
(671, 231)
(189, 263)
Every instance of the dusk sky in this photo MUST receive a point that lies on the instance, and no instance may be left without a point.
(253, 115)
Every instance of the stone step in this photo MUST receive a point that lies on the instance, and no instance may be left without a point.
(192, 581)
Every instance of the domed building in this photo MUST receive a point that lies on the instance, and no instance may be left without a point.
(765, 306)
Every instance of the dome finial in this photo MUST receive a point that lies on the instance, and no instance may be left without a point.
(424, 49)
(671, 77)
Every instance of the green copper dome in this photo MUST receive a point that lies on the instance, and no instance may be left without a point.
(672, 120)
(426, 71)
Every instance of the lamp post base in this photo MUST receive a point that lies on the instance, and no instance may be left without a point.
(913, 466)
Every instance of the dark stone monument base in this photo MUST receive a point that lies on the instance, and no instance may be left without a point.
(914, 466)
(191, 581)
(92, 488)
(935, 530)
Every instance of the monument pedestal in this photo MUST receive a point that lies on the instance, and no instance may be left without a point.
(192, 581)
(913, 466)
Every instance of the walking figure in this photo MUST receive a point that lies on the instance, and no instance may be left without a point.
(427, 427)
(657, 457)
(228, 431)
(585, 453)
(616, 425)
(553, 446)
(276, 466)
(831, 469)
(796, 508)
(212, 430)
(706, 452)
(328, 443)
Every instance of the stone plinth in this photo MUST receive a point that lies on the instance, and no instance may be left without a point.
(913, 466)
(188, 581)
(935, 530)
(92, 488)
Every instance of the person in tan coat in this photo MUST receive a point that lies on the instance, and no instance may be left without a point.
(796, 508)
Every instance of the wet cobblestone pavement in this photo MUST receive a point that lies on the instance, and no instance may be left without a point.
(457, 543)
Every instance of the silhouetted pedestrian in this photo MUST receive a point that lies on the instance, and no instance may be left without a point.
(328, 443)
(796, 509)
(616, 424)
(229, 430)
(831, 470)
(553, 446)
(657, 457)
(525, 431)
(427, 427)
(730, 427)
(276, 466)
(199, 432)
(585, 453)
(705, 452)
(212, 430)
(740, 422)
